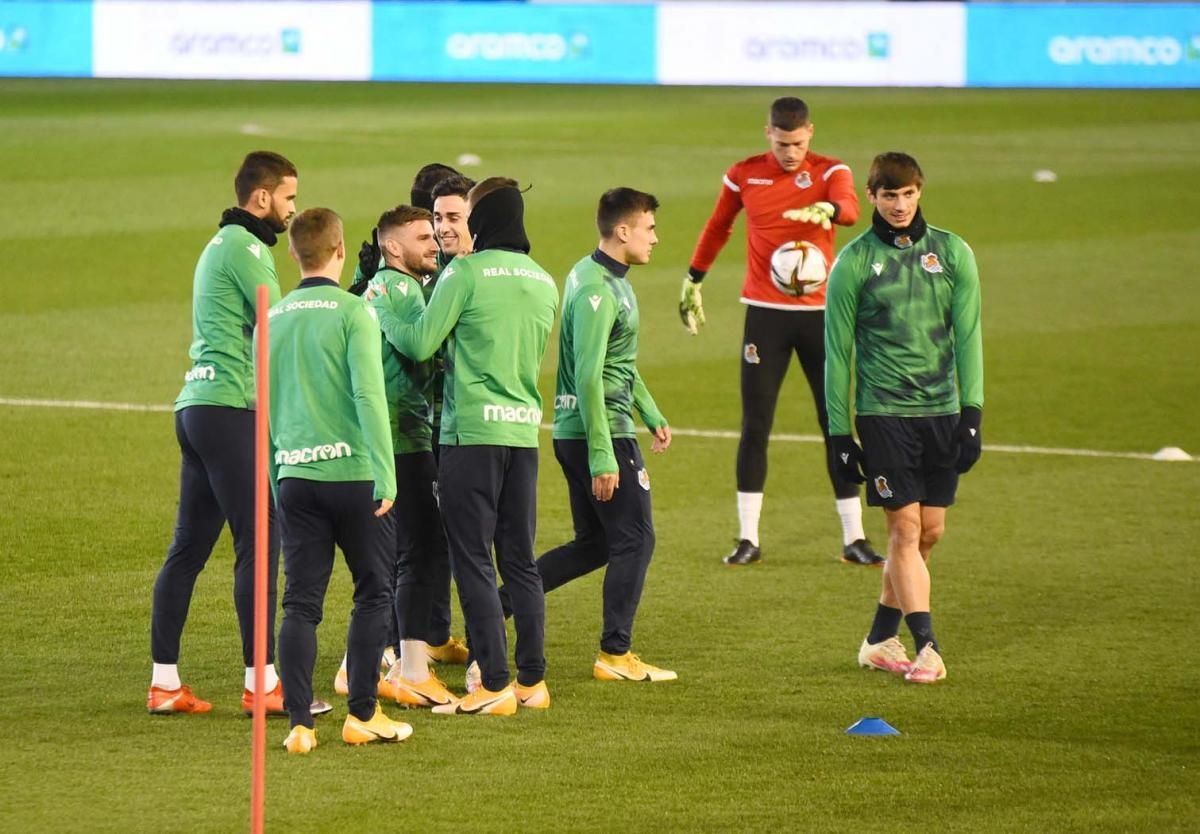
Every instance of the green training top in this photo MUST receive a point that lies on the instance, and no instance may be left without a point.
(328, 407)
(407, 383)
(227, 276)
(494, 310)
(912, 317)
(598, 383)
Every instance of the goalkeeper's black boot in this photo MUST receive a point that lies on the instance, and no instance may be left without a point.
(860, 552)
(744, 554)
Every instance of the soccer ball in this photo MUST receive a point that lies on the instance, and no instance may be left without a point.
(798, 268)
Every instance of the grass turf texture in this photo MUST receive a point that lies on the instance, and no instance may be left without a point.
(1065, 594)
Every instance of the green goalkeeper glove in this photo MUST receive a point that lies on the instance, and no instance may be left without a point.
(691, 305)
(821, 212)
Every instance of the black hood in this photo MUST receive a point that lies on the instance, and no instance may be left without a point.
(256, 226)
(498, 222)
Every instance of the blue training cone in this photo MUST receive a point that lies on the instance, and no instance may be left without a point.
(871, 727)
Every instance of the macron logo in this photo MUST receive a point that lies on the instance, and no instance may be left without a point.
(594, 300)
(200, 372)
(565, 402)
(512, 414)
(329, 451)
(255, 250)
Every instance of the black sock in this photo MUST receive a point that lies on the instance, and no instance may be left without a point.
(887, 624)
(920, 623)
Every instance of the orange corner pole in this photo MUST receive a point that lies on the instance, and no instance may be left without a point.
(261, 539)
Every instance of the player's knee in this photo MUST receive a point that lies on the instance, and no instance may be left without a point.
(931, 535)
(904, 532)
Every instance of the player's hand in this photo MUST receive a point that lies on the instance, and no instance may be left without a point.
(603, 486)
(969, 435)
(662, 440)
(848, 458)
(385, 505)
(821, 213)
(691, 305)
(368, 256)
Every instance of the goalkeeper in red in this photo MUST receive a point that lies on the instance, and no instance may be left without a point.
(789, 194)
(904, 298)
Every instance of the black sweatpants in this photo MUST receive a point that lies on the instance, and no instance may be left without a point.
(314, 516)
(769, 340)
(489, 497)
(422, 560)
(216, 484)
(617, 533)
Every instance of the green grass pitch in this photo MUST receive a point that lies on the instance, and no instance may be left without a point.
(1066, 592)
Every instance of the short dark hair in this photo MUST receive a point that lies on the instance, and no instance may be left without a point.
(788, 113)
(401, 216)
(621, 204)
(421, 193)
(486, 187)
(314, 235)
(261, 169)
(456, 184)
(894, 170)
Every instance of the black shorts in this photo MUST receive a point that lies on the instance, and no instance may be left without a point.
(909, 460)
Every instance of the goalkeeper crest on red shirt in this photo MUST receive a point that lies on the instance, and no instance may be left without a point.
(789, 193)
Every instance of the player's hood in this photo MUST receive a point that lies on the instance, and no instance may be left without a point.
(256, 226)
(498, 222)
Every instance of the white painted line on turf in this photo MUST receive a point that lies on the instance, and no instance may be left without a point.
(718, 434)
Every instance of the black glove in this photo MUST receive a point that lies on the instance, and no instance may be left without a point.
(369, 255)
(969, 436)
(847, 458)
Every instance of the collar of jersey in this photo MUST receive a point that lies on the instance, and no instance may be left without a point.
(610, 263)
(889, 234)
(316, 281)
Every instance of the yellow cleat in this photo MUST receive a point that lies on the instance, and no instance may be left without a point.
(482, 702)
(301, 739)
(532, 697)
(379, 728)
(628, 667)
(427, 693)
(452, 651)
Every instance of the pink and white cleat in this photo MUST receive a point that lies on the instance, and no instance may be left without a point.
(890, 656)
(928, 667)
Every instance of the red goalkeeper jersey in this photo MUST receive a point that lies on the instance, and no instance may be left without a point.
(761, 186)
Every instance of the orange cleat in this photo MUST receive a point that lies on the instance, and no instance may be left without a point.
(169, 701)
(274, 701)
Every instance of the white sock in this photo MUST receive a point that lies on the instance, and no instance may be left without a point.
(850, 511)
(270, 678)
(342, 668)
(414, 661)
(165, 676)
(389, 657)
(749, 509)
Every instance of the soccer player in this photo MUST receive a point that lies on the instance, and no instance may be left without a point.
(904, 297)
(422, 561)
(497, 308)
(817, 192)
(214, 424)
(332, 466)
(595, 439)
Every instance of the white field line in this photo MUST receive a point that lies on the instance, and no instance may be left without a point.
(720, 434)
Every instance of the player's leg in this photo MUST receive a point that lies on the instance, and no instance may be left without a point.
(629, 529)
(308, 542)
(198, 524)
(810, 350)
(469, 483)
(588, 551)
(515, 528)
(439, 618)
(766, 353)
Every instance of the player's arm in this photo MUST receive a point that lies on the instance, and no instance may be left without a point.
(966, 320)
(420, 339)
(592, 324)
(396, 308)
(651, 416)
(715, 235)
(272, 466)
(250, 271)
(365, 358)
(841, 315)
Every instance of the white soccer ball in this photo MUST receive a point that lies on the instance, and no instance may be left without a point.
(798, 268)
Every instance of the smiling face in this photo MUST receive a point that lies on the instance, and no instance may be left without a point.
(898, 206)
(450, 225)
(412, 248)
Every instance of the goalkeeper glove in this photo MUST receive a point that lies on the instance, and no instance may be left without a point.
(691, 305)
(970, 437)
(847, 460)
(822, 213)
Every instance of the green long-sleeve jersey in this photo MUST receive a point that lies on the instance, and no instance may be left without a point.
(912, 318)
(407, 383)
(228, 274)
(329, 417)
(598, 384)
(494, 310)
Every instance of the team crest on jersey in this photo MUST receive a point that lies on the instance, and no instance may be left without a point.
(751, 354)
(644, 479)
(881, 486)
(930, 262)
(803, 180)
(903, 241)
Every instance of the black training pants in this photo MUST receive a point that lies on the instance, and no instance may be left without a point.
(216, 484)
(422, 560)
(314, 516)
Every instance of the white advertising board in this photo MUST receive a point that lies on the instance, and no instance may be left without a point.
(812, 44)
(285, 40)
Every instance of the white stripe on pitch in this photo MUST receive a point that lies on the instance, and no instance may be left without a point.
(719, 434)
